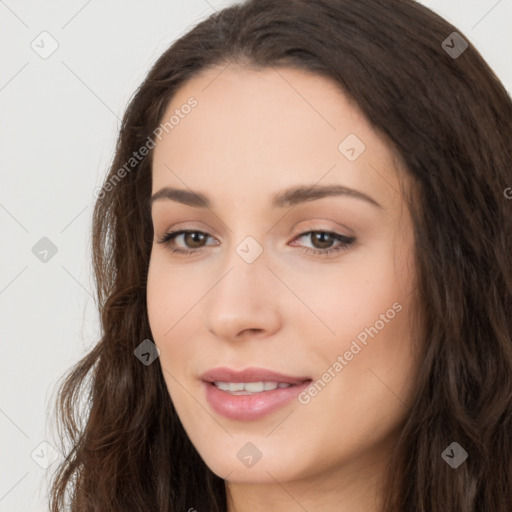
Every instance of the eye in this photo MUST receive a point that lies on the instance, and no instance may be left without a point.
(322, 241)
(190, 237)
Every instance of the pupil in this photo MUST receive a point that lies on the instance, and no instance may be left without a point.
(196, 237)
(321, 238)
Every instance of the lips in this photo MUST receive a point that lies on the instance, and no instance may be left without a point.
(250, 375)
(250, 394)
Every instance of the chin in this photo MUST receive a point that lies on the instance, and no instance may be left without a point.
(255, 462)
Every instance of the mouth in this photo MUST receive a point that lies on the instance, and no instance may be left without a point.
(249, 388)
(250, 394)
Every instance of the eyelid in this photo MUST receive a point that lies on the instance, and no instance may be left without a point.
(310, 226)
(190, 226)
(346, 240)
(319, 224)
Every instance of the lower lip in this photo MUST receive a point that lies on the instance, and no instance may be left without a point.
(250, 407)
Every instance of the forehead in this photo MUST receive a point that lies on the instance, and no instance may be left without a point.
(267, 128)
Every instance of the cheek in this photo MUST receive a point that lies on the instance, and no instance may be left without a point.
(164, 311)
(345, 299)
(171, 293)
(368, 357)
(375, 374)
(173, 302)
(364, 384)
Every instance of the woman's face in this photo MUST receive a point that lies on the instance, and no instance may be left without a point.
(306, 294)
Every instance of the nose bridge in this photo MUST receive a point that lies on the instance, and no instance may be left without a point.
(241, 299)
(246, 240)
(244, 270)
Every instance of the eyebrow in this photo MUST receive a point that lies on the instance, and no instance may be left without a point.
(289, 197)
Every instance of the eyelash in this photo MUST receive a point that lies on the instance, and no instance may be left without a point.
(346, 242)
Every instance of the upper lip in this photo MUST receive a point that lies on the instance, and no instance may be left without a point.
(224, 374)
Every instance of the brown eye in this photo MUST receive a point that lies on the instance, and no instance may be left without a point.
(193, 240)
(322, 239)
(322, 242)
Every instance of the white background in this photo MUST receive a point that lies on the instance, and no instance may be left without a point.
(60, 118)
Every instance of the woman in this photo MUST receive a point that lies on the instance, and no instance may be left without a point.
(302, 253)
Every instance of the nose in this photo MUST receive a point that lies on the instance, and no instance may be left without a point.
(243, 302)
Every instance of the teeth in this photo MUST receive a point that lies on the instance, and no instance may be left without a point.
(254, 387)
(230, 386)
(247, 388)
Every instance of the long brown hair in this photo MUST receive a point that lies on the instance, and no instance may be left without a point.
(449, 119)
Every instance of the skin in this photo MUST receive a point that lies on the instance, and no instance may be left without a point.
(255, 132)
